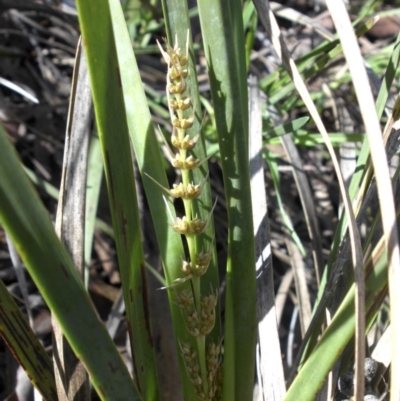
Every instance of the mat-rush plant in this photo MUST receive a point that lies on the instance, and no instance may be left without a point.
(240, 336)
(123, 118)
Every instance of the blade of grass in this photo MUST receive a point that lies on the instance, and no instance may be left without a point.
(250, 22)
(287, 128)
(108, 100)
(236, 37)
(29, 226)
(388, 78)
(71, 377)
(304, 138)
(379, 160)
(222, 28)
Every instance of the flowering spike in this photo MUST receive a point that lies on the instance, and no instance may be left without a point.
(188, 163)
(189, 227)
(190, 192)
(182, 123)
(207, 318)
(198, 311)
(202, 262)
(180, 104)
(186, 143)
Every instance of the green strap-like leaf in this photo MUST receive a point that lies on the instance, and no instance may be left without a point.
(106, 82)
(30, 228)
(222, 28)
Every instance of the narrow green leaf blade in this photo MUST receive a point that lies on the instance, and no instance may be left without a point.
(30, 228)
(222, 28)
(105, 75)
(287, 128)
